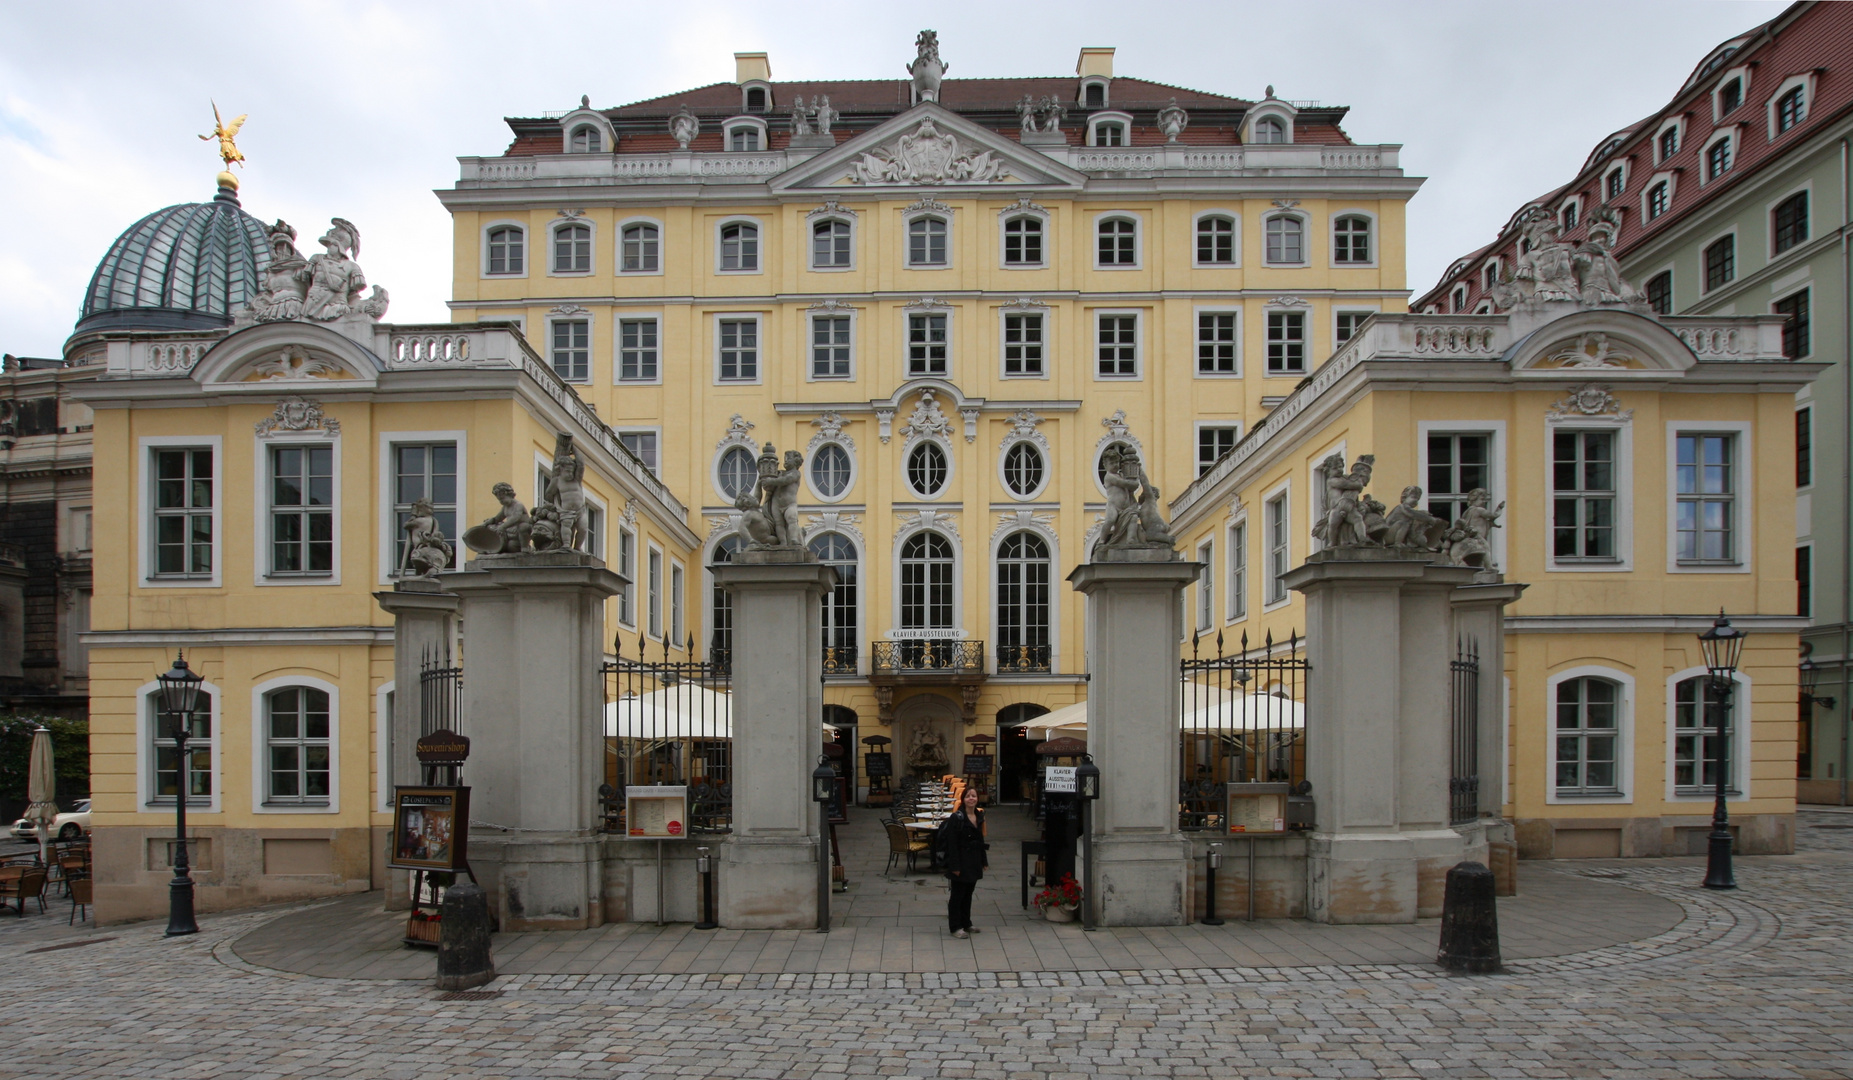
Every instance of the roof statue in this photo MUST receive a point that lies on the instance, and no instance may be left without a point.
(228, 149)
(323, 288)
(927, 69)
(1550, 270)
(1133, 518)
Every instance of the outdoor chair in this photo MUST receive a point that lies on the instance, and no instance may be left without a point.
(28, 886)
(80, 899)
(902, 842)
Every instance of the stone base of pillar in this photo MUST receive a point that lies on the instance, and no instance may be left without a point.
(1141, 881)
(767, 883)
(1381, 877)
(541, 882)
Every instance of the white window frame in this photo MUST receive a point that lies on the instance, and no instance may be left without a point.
(1196, 441)
(597, 525)
(747, 120)
(1196, 342)
(1048, 537)
(1457, 300)
(1138, 239)
(381, 774)
(714, 468)
(907, 225)
(1371, 237)
(263, 521)
(951, 537)
(1010, 443)
(1742, 496)
(1268, 110)
(1337, 312)
(527, 247)
(553, 229)
(260, 745)
(952, 469)
(1813, 439)
(1624, 495)
(1235, 603)
(1284, 493)
(1495, 466)
(146, 446)
(1574, 201)
(645, 429)
(1624, 737)
(1806, 82)
(654, 581)
(907, 313)
(758, 320)
(1138, 343)
(1770, 254)
(1016, 212)
(1738, 784)
(1738, 271)
(1741, 73)
(1306, 342)
(1235, 235)
(760, 249)
(1306, 247)
(1678, 124)
(1108, 116)
(678, 604)
(617, 264)
(617, 346)
(388, 519)
(1621, 189)
(1003, 343)
(591, 333)
(147, 708)
(810, 479)
(1722, 135)
(810, 243)
(627, 594)
(810, 344)
(1206, 586)
(1671, 179)
(1106, 91)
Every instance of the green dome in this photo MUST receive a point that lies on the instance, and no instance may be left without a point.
(185, 267)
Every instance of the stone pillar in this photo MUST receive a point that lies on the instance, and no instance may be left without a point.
(1141, 870)
(1479, 619)
(424, 621)
(533, 707)
(768, 866)
(1378, 640)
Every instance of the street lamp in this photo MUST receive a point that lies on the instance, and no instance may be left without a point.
(1811, 681)
(1087, 786)
(180, 687)
(823, 786)
(1723, 645)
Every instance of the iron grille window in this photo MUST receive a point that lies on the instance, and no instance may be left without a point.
(839, 609)
(642, 249)
(829, 346)
(423, 471)
(1804, 447)
(1588, 736)
(926, 241)
(740, 246)
(1286, 240)
(1583, 494)
(1669, 143)
(200, 746)
(1216, 240)
(1023, 344)
(1804, 581)
(637, 350)
(926, 344)
(572, 249)
(926, 468)
(1118, 242)
(739, 350)
(1118, 346)
(1213, 441)
(302, 513)
(297, 747)
(1216, 343)
(642, 444)
(1238, 571)
(830, 470)
(1791, 221)
(1707, 498)
(1616, 184)
(1023, 469)
(1023, 602)
(627, 566)
(572, 349)
(926, 582)
(507, 247)
(830, 245)
(1795, 343)
(1791, 109)
(1660, 292)
(1023, 241)
(1286, 343)
(737, 472)
(1658, 198)
(1349, 323)
(1718, 159)
(1457, 464)
(1277, 549)
(1720, 262)
(183, 513)
(1695, 737)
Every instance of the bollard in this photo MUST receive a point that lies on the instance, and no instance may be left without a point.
(704, 869)
(463, 938)
(1211, 863)
(1469, 921)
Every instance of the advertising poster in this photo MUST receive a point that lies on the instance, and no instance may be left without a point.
(430, 828)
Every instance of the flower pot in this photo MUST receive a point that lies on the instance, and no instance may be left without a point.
(1059, 913)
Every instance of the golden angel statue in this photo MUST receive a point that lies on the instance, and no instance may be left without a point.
(225, 133)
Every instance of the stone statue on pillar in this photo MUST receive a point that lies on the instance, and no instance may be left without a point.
(769, 513)
(1134, 521)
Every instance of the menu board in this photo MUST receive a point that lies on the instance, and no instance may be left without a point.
(431, 828)
(977, 764)
(1257, 812)
(656, 813)
(878, 764)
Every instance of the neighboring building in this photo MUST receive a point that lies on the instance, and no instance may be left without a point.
(1733, 200)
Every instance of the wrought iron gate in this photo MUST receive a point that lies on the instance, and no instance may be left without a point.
(1244, 721)
(1464, 709)
(668, 722)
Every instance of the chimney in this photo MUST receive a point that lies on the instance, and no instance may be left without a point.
(1095, 61)
(748, 66)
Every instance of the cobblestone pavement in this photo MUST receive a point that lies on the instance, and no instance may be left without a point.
(1752, 983)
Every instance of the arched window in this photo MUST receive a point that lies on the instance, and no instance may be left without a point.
(830, 470)
(1024, 469)
(1119, 242)
(720, 606)
(1110, 133)
(1270, 130)
(830, 245)
(1351, 240)
(840, 628)
(1023, 603)
(572, 249)
(743, 137)
(739, 246)
(201, 740)
(1286, 239)
(507, 250)
(586, 140)
(756, 99)
(1588, 736)
(297, 747)
(642, 249)
(736, 472)
(1095, 96)
(927, 467)
(926, 241)
(926, 582)
(1695, 737)
(1216, 240)
(1023, 241)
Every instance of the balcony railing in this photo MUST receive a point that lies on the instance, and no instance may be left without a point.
(1023, 659)
(841, 659)
(952, 656)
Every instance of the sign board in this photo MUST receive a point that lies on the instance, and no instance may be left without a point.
(1257, 808)
(430, 828)
(881, 764)
(839, 801)
(656, 813)
(443, 748)
(977, 764)
(1059, 779)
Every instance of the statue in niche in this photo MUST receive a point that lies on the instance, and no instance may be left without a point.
(1343, 522)
(927, 69)
(1411, 527)
(513, 522)
(1470, 540)
(823, 116)
(928, 751)
(426, 553)
(1133, 516)
(565, 495)
(769, 512)
(683, 127)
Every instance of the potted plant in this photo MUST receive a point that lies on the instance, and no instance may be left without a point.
(1060, 901)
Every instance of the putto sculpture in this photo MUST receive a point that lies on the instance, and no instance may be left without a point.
(927, 69)
(426, 552)
(557, 522)
(769, 513)
(1044, 114)
(823, 115)
(1344, 521)
(1350, 518)
(1133, 518)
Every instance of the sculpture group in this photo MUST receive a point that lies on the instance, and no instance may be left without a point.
(1551, 270)
(323, 288)
(1133, 518)
(1044, 114)
(817, 119)
(557, 522)
(769, 509)
(1352, 519)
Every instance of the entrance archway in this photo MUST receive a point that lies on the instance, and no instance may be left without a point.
(1016, 754)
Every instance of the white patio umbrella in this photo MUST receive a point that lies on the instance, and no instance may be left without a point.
(1212, 708)
(682, 711)
(42, 790)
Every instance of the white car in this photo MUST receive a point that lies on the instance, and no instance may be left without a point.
(65, 826)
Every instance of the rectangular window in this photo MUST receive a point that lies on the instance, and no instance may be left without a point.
(1790, 221)
(739, 350)
(1669, 142)
(1695, 736)
(740, 245)
(627, 567)
(641, 249)
(1659, 197)
(1216, 343)
(302, 513)
(678, 631)
(200, 744)
(1804, 581)
(1457, 464)
(572, 349)
(1023, 242)
(926, 242)
(655, 596)
(505, 250)
(1794, 309)
(1286, 240)
(1286, 343)
(830, 245)
(643, 444)
(1349, 323)
(1216, 241)
(1238, 571)
(423, 471)
(637, 350)
(829, 346)
(1660, 293)
(926, 344)
(1023, 344)
(1118, 346)
(1213, 441)
(298, 747)
(1583, 472)
(1118, 243)
(1718, 159)
(1588, 735)
(572, 249)
(183, 513)
(1614, 184)
(1720, 262)
(1804, 447)
(1277, 555)
(1791, 109)
(1206, 587)
(1706, 498)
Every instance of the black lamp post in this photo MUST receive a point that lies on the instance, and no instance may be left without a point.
(1087, 786)
(1723, 645)
(180, 687)
(823, 785)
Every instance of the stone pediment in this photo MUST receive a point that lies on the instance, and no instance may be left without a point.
(290, 356)
(1611, 342)
(934, 148)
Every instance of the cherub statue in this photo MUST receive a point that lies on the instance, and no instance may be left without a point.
(1343, 523)
(1471, 538)
(755, 525)
(335, 280)
(1151, 518)
(781, 495)
(426, 553)
(566, 494)
(1123, 527)
(800, 118)
(512, 521)
(545, 532)
(1409, 526)
(822, 115)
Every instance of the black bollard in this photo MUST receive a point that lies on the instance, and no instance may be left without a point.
(704, 869)
(463, 938)
(1210, 863)
(1470, 921)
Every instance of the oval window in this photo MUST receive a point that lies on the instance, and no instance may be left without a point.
(737, 472)
(1023, 469)
(926, 469)
(830, 471)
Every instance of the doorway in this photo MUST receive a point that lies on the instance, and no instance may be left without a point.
(1016, 752)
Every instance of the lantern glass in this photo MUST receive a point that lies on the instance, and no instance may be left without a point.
(823, 781)
(1087, 779)
(1811, 677)
(180, 687)
(1723, 645)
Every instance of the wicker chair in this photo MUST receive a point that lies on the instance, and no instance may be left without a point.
(28, 886)
(80, 899)
(903, 841)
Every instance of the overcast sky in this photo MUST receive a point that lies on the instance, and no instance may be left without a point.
(360, 109)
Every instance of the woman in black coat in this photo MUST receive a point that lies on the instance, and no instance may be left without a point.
(961, 842)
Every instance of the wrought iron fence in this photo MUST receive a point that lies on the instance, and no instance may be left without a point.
(840, 659)
(1464, 708)
(1022, 659)
(669, 722)
(440, 693)
(928, 654)
(1244, 721)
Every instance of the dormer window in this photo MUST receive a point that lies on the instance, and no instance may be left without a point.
(1112, 134)
(1109, 129)
(586, 139)
(1730, 96)
(743, 137)
(1094, 96)
(756, 99)
(1270, 130)
(1669, 142)
(1613, 186)
(1568, 216)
